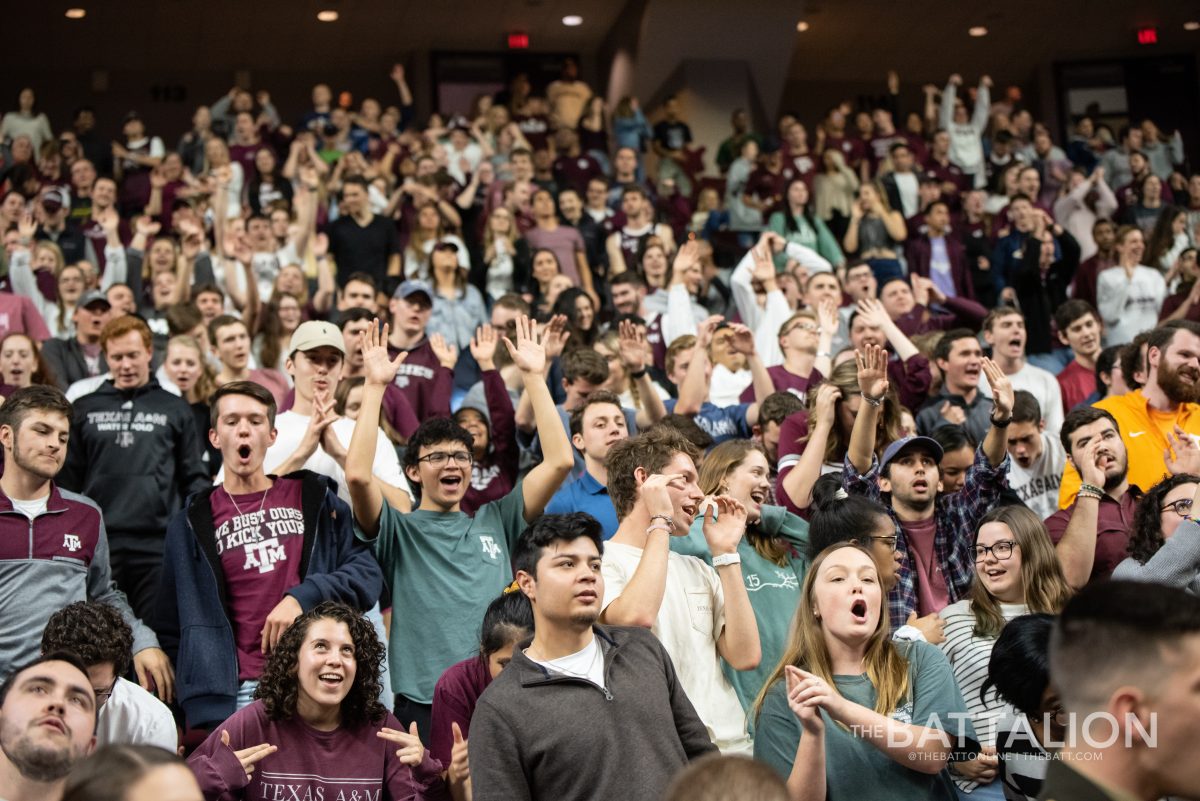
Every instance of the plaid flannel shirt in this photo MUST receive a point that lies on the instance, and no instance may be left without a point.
(954, 541)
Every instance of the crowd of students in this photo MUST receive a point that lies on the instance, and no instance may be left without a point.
(511, 456)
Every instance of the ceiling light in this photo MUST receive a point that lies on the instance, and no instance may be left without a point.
(802, 26)
(572, 20)
(1191, 25)
(76, 13)
(327, 16)
(978, 31)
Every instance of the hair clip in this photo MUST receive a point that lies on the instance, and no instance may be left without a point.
(511, 588)
(841, 494)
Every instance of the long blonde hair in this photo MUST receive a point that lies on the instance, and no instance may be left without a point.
(887, 670)
(489, 237)
(1044, 586)
(845, 378)
(718, 464)
(206, 384)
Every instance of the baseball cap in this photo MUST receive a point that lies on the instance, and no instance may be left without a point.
(132, 115)
(914, 443)
(315, 334)
(95, 296)
(410, 288)
(54, 198)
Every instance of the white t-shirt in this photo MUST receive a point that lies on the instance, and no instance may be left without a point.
(689, 623)
(133, 716)
(1129, 305)
(31, 509)
(726, 387)
(1038, 485)
(1042, 385)
(291, 427)
(586, 664)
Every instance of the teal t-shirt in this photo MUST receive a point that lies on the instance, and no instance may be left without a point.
(820, 238)
(443, 569)
(774, 591)
(855, 769)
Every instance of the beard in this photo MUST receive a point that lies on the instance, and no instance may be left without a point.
(1173, 384)
(36, 763)
(1117, 479)
(28, 466)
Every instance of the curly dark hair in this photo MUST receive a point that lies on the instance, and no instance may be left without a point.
(1145, 536)
(279, 687)
(94, 631)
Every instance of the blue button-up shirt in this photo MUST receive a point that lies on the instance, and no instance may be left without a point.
(586, 494)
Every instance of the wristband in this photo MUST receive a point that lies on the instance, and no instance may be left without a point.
(670, 521)
(872, 401)
(1091, 489)
(727, 559)
(659, 527)
(638, 374)
(1000, 423)
(825, 354)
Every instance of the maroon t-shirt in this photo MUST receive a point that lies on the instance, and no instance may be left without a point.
(1076, 383)
(454, 699)
(260, 541)
(346, 763)
(785, 382)
(852, 150)
(800, 165)
(424, 381)
(1114, 521)
(932, 593)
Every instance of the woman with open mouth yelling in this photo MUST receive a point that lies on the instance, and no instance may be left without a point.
(847, 710)
(316, 726)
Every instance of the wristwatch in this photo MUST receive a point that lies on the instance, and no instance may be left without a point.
(727, 559)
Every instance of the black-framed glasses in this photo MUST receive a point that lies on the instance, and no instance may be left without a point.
(102, 696)
(889, 541)
(439, 458)
(1181, 507)
(1001, 550)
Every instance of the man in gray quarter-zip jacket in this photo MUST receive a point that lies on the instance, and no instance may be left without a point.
(582, 711)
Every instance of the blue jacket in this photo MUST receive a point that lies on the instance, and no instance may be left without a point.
(192, 613)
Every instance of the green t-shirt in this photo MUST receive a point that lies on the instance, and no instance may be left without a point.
(855, 769)
(443, 569)
(774, 591)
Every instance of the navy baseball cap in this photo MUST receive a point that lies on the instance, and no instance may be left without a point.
(911, 443)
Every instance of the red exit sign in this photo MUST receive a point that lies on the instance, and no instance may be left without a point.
(1147, 36)
(518, 41)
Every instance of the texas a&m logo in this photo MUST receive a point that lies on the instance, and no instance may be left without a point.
(489, 546)
(71, 542)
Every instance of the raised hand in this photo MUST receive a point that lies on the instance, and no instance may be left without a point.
(1090, 471)
(411, 752)
(764, 265)
(555, 336)
(108, 219)
(872, 371)
(920, 289)
(1002, 390)
(873, 312)
(742, 340)
(724, 523)
(632, 344)
(528, 354)
(687, 258)
(460, 767)
(320, 245)
(378, 367)
(706, 329)
(827, 317)
(447, 354)
(656, 495)
(398, 73)
(249, 756)
(1182, 454)
(26, 226)
(827, 397)
(483, 347)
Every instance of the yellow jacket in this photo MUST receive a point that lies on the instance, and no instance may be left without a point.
(1144, 432)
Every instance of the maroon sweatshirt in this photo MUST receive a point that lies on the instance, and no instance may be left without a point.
(424, 381)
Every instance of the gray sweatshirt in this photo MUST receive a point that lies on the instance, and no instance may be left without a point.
(1177, 563)
(542, 735)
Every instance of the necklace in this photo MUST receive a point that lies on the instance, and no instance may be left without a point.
(261, 503)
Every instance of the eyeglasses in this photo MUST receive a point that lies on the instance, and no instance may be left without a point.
(1181, 507)
(890, 542)
(439, 458)
(1001, 550)
(1060, 716)
(811, 328)
(102, 696)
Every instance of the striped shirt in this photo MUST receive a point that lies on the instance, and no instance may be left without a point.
(969, 655)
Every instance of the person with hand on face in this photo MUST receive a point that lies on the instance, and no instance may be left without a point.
(847, 711)
(1147, 417)
(47, 725)
(507, 622)
(580, 688)
(701, 613)
(438, 561)
(1164, 540)
(55, 548)
(934, 535)
(774, 552)
(312, 435)
(316, 726)
(238, 572)
(1016, 573)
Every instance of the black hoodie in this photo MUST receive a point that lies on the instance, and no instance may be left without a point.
(137, 454)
